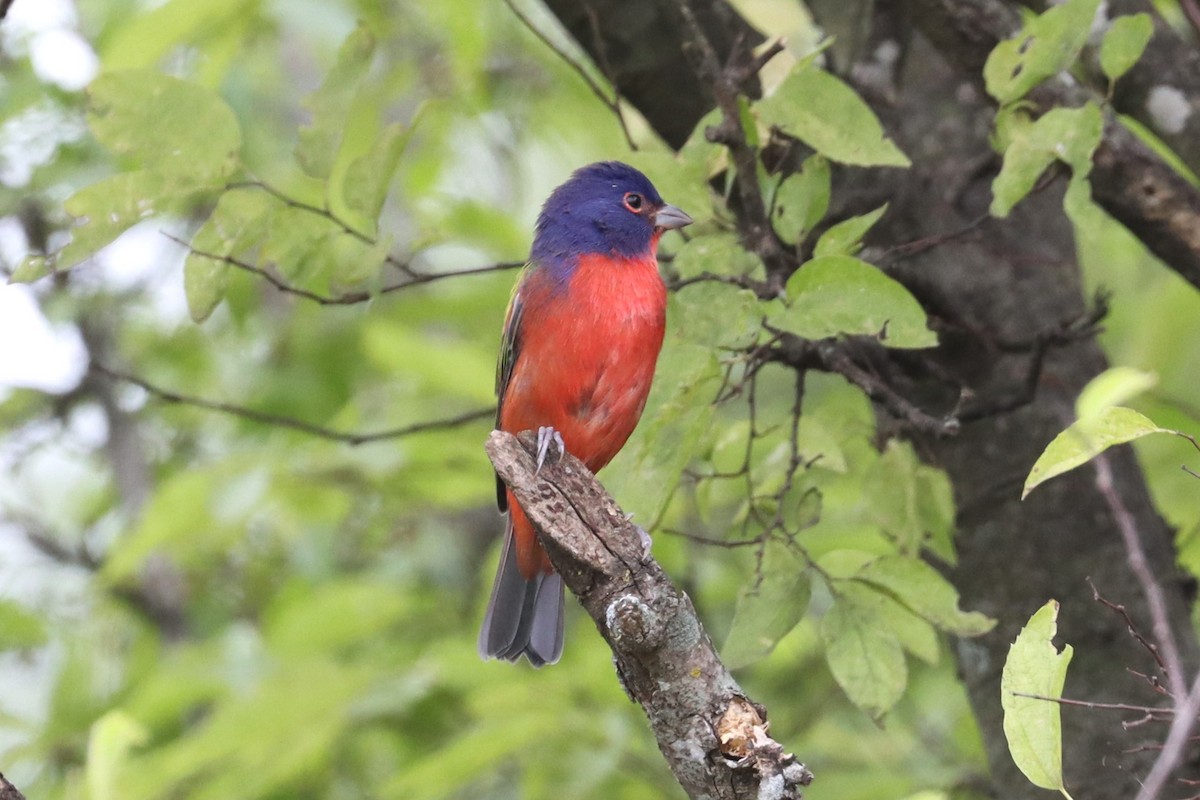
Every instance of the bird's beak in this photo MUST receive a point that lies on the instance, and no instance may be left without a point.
(669, 217)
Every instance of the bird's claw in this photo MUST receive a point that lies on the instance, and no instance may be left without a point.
(546, 436)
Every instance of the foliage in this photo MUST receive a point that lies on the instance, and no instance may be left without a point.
(266, 612)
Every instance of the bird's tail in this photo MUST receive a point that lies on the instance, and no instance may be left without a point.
(523, 615)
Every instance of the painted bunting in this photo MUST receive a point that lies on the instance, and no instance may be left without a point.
(581, 338)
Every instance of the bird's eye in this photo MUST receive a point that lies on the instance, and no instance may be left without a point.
(633, 201)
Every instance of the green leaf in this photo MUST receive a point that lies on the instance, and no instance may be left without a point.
(767, 612)
(829, 116)
(1088, 438)
(107, 209)
(205, 281)
(482, 747)
(318, 142)
(681, 181)
(923, 589)
(1067, 134)
(677, 425)
(31, 268)
(719, 253)
(864, 654)
(268, 738)
(1048, 44)
(916, 635)
(178, 130)
(145, 38)
(370, 176)
(180, 506)
(836, 295)
(20, 628)
(332, 616)
(908, 500)
(1034, 727)
(819, 445)
(716, 315)
(238, 223)
(358, 264)
(1124, 44)
(801, 200)
(845, 238)
(1110, 388)
(110, 740)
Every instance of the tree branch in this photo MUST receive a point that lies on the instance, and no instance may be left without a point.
(613, 103)
(7, 790)
(725, 82)
(1162, 89)
(349, 298)
(280, 421)
(1130, 182)
(713, 737)
(643, 43)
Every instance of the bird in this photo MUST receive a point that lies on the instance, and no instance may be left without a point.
(581, 339)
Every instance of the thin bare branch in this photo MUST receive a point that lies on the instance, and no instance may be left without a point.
(1157, 712)
(1173, 748)
(1149, 646)
(831, 355)
(291, 423)
(760, 288)
(612, 103)
(1160, 619)
(349, 298)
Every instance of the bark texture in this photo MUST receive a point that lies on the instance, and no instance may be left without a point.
(1129, 181)
(713, 737)
(640, 47)
(8, 791)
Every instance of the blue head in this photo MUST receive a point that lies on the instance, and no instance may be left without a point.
(607, 208)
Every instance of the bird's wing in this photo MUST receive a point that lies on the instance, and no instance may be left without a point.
(510, 348)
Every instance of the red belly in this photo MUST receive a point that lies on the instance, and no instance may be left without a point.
(584, 366)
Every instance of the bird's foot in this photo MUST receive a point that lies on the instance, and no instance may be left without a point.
(546, 436)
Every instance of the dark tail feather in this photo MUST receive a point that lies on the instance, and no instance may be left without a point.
(523, 616)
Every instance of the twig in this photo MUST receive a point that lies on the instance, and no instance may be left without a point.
(905, 250)
(1133, 630)
(729, 544)
(1187, 701)
(1172, 749)
(349, 298)
(724, 83)
(760, 288)
(830, 355)
(1099, 706)
(607, 70)
(1164, 637)
(401, 265)
(292, 202)
(280, 421)
(613, 103)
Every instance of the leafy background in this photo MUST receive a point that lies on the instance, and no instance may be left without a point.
(195, 604)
